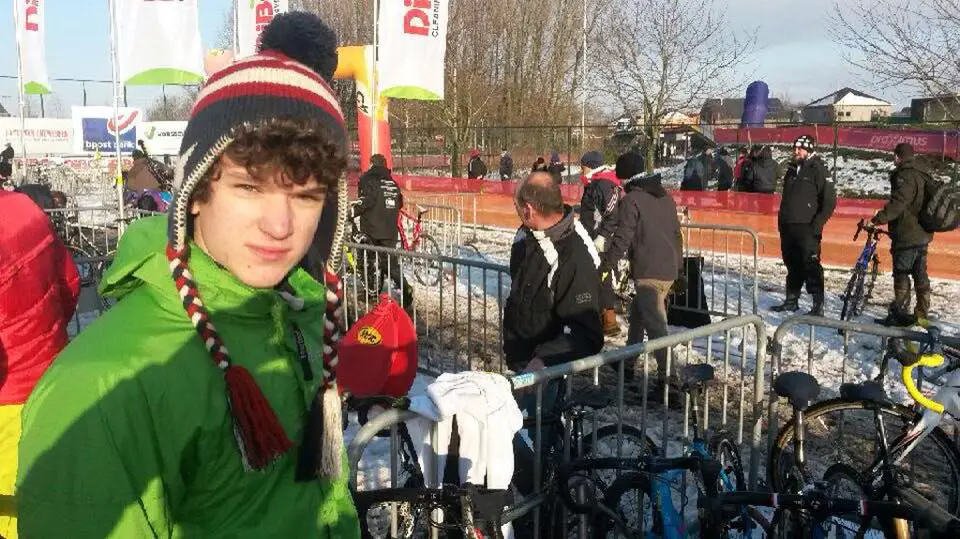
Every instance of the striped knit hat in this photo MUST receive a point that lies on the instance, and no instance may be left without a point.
(288, 78)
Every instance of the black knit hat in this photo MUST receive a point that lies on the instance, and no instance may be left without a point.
(288, 78)
(805, 142)
(629, 165)
(592, 159)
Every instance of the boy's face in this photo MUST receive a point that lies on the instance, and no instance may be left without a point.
(257, 228)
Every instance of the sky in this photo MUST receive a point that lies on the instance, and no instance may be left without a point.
(795, 56)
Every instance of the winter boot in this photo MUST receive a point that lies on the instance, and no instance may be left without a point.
(817, 309)
(897, 313)
(611, 326)
(922, 311)
(790, 304)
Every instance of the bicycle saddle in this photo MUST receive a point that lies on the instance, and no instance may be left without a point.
(695, 376)
(868, 391)
(799, 388)
(421, 213)
(593, 398)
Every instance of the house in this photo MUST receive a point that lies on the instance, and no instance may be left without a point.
(846, 105)
(730, 111)
(935, 109)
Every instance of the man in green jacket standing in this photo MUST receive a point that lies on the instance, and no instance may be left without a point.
(908, 240)
(204, 403)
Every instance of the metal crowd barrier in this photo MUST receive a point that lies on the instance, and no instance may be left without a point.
(465, 203)
(442, 223)
(457, 306)
(744, 382)
(88, 231)
(726, 259)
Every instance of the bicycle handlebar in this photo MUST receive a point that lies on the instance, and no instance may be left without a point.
(923, 360)
(870, 228)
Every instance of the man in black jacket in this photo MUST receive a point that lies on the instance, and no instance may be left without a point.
(379, 208)
(476, 168)
(552, 314)
(506, 165)
(908, 239)
(598, 211)
(809, 199)
(649, 230)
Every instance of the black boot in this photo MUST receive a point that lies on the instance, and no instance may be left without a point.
(817, 309)
(790, 304)
(897, 314)
(922, 311)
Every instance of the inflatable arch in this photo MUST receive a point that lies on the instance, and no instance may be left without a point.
(373, 130)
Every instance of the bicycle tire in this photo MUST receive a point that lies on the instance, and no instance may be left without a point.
(605, 527)
(836, 473)
(427, 272)
(937, 444)
(722, 448)
(846, 312)
(871, 280)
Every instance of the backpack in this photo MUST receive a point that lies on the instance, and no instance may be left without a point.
(941, 206)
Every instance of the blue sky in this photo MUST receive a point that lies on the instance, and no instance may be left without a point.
(796, 55)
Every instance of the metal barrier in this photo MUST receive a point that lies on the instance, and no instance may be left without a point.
(90, 305)
(88, 232)
(457, 307)
(465, 203)
(444, 224)
(746, 426)
(728, 268)
(831, 348)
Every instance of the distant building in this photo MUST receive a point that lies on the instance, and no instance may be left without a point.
(846, 105)
(935, 109)
(729, 111)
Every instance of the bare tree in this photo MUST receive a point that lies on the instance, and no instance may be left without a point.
(173, 105)
(911, 43)
(662, 56)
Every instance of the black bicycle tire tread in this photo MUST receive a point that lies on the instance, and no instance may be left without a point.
(786, 433)
(427, 245)
(626, 482)
(845, 469)
(847, 293)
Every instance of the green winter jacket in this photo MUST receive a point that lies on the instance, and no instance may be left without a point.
(128, 433)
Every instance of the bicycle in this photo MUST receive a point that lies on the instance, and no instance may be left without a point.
(860, 286)
(889, 474)
(630, 490)
(573, 413)
(426, 271)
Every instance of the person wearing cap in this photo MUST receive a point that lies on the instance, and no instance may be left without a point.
(476, 169)
(908, 240)
(556, 168)
(204, 403)
(647, 229)
(809, 199)
(598, 209)
(506, 165)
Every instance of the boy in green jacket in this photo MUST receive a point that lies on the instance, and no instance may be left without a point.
(204, 403)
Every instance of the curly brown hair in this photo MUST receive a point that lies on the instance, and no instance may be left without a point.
(301, 148)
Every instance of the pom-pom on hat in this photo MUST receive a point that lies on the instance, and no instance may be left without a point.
(805, 142)
(289, 78)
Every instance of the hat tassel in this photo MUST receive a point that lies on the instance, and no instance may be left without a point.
(260, 436)
(331, 464)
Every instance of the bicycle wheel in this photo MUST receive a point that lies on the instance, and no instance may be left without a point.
(842, 481)
(871, 280)
(629, 510)
(427, 271)
(725, 451)
(849, 295)
(839, 431)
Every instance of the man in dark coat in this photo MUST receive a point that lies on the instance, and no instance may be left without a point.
(908, 239)
(809, 199)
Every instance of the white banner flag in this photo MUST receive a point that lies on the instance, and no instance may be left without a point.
(159, 42)
(252, 17)
(412, 43)
(31, 29)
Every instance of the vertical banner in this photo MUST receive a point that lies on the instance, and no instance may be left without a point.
(31, 29)
(412, 46)
(252, 17)
(96, 129)
(159, 42)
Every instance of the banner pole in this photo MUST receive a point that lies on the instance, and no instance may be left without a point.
(20, 93)
(114, 48)
(374, 82)
(236, 27)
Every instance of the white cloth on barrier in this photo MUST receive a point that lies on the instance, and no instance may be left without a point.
(487, 421)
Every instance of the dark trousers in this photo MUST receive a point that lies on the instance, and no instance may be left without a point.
(800, 248)
(389, 268)
(648, 317)
(550, 433)
(911, 262)
(608, 298)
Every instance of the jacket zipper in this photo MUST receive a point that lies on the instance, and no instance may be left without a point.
(302, 354)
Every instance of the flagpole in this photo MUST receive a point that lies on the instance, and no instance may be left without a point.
(114, 49)
(236, 27)
(20, 93)
(374, 82)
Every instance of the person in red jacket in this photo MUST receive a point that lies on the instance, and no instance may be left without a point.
(39, 287)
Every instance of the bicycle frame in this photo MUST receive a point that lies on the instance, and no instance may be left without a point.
(417, 230)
